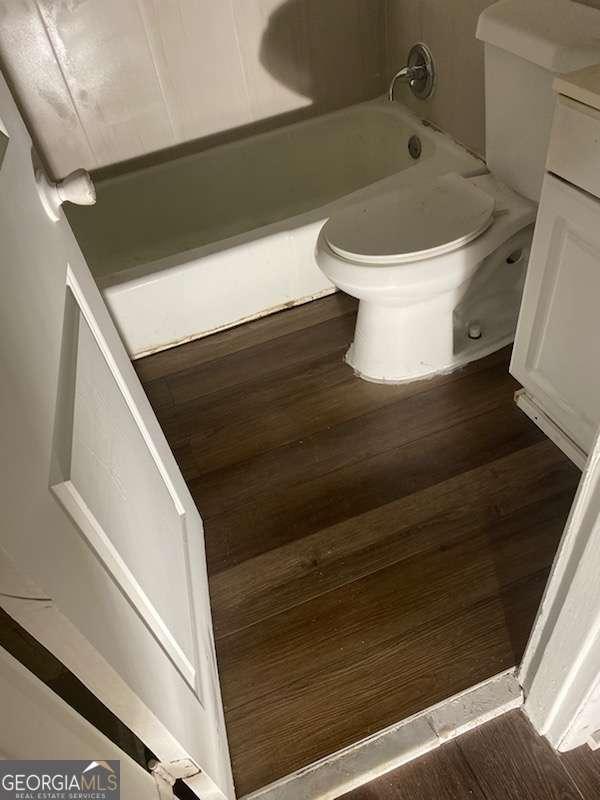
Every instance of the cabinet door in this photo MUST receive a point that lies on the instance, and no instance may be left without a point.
(556, 356)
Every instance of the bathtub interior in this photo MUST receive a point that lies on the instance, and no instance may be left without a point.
(200, 199)
(205, 242)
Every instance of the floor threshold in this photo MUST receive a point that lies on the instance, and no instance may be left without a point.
(396, 745)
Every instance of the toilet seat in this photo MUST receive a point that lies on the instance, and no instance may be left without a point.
(412, 222)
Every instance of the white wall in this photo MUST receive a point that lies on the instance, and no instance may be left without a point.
(102, 81)
(448, 27)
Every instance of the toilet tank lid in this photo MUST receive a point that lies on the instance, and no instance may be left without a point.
(558, 35)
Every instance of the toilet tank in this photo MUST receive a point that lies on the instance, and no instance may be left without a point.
(527, 43)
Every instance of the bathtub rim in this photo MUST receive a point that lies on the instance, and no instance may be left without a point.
(145, 271)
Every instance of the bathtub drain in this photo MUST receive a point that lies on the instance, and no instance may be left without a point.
(415, 148)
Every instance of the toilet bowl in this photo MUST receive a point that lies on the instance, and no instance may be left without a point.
(411, 257)
(439, 267)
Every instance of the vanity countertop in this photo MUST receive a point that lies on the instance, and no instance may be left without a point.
(582, 85)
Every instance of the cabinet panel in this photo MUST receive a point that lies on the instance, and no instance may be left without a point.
(574, 152)
(557, 345)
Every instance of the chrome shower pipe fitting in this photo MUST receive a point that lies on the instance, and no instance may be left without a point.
(419, 73)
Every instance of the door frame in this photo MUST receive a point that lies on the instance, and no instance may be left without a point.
(44, 727)
(559, 672)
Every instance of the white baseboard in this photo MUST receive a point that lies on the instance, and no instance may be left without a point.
(528, 405)
(398, 744)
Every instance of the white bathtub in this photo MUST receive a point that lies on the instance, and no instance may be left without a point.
(206, 241)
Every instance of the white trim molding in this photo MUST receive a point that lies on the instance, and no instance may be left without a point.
(535, 413)
(43, 726)
(559, 672)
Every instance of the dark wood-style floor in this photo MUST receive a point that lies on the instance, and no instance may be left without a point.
(372, 549)
(503, 760)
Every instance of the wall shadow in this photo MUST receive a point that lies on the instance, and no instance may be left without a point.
(328, 52)
(285, 49)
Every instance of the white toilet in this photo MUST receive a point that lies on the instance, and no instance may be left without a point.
(439, 267)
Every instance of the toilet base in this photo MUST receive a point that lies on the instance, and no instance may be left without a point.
(402, 343)
(399, 344)
(460, 360)
(464, 352)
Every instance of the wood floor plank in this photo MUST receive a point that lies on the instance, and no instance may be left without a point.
(583, 765)
(241, 337)
(159, 394)
(271, 518)
(441, 775)
(372, 549)
(323, 394)
(262, 360)
(339, 627)
(247, 401)
(311, 719)
(289, 405)
(346, 418)
(328, 559)
(512, 763)
(380, 429)
(534, 771)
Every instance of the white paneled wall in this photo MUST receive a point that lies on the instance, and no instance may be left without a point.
(102, 81)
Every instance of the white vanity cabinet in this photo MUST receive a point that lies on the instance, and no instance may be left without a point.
(556, 356)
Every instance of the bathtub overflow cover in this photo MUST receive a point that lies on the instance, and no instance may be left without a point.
(415, 147)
